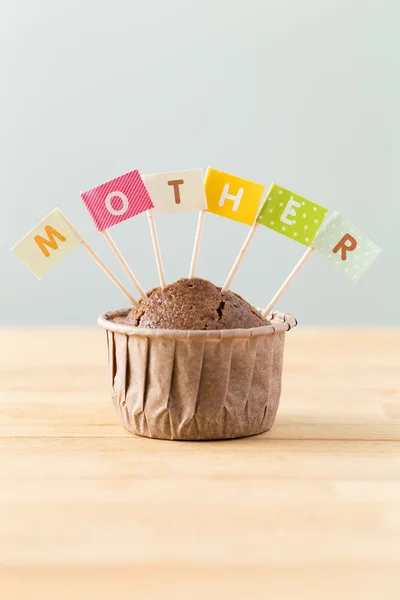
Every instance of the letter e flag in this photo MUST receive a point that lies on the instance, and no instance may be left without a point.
(47, 244)
(117, 200)
(232, 197)
(346, 247)
(291, 215)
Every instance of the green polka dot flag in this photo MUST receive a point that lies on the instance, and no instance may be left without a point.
(346, 247)
(291, 215)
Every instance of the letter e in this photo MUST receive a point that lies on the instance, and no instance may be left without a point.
(288, 210)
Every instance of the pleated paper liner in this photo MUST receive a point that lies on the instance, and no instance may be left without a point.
(196, 385)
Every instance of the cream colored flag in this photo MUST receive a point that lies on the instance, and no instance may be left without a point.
(47, 244)
(176, 192)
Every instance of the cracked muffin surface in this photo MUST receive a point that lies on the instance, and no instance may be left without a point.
(194, 304)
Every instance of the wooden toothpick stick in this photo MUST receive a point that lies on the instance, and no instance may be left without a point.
(287, 282)
(157, 250)
(197, 240)
(239, 259)
(108, 272)
(123, 263)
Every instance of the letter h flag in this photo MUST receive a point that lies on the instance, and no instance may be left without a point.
(346, 247)
(232, 197)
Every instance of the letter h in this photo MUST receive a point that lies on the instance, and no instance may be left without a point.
(225, 196)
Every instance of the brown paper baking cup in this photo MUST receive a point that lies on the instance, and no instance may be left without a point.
(196, 385)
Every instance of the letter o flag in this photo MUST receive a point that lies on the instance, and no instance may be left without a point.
(121, 196)
(131, 199)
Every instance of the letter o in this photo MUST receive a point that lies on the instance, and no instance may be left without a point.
(125, 203)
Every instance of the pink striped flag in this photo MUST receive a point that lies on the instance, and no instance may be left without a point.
(117, 200)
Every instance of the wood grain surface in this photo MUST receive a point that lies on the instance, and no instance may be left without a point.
(310, 509)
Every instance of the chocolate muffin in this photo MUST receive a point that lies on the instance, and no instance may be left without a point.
(194, 304)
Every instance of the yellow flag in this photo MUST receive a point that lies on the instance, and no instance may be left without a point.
(47, 244)
(232, 197)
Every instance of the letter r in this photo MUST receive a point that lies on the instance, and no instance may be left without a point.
(225, 196)
(341, 245)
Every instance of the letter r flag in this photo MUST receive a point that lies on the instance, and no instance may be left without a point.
(346, 247)
(47, 244)
(117, 200)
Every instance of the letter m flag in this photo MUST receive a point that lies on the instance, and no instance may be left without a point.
(47, 244)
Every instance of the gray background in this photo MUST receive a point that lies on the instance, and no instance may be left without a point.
(304, 93)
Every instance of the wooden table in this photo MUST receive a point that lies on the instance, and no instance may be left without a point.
(308, 510)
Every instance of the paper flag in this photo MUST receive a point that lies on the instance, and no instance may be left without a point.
(232, 197)
(346, 247)
(176, 191)
(47, 244)
(117, 200)
(291, 215)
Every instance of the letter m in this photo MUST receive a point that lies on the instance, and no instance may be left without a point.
(50, 242)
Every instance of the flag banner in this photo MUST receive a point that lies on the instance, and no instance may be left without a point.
(117, 200)
(291, 215)
(47, 244)
(232, 197)
(176, 191)
(346, 247)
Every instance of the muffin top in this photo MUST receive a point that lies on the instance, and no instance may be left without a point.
(194, 304)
